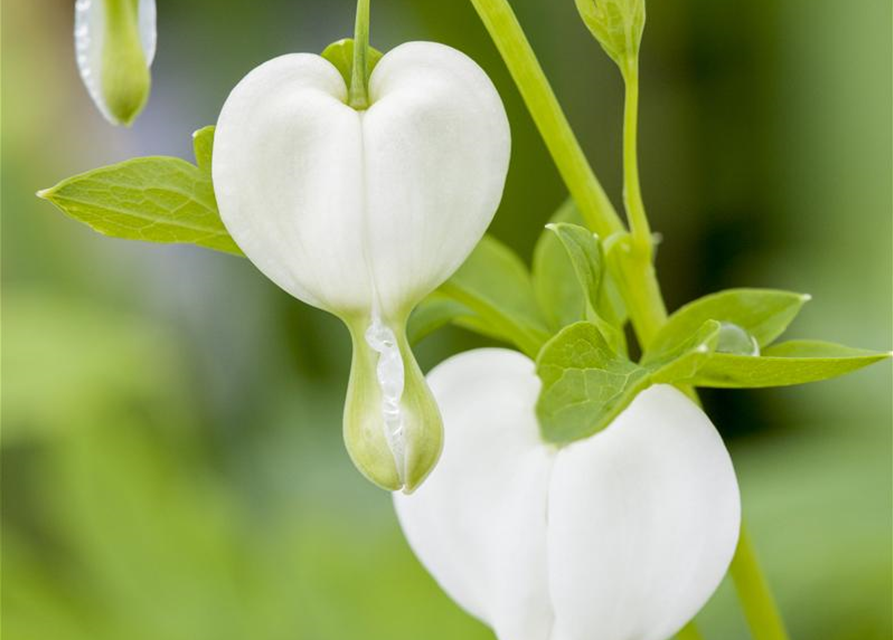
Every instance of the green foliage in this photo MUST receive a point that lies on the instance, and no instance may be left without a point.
(586, 384)
(340, 54)
(784, 364)
(156, 199)
(492, 294)
(712, 342)
(762, 313)
(203, 147)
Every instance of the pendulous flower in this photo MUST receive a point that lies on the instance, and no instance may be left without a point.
(114, 44)
(364, 211)
(622, 536)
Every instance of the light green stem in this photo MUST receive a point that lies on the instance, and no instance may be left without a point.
(642, 296)
(358, 96)
(632, 191)
(760, 610)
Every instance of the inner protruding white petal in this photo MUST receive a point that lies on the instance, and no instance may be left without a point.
(390, 375)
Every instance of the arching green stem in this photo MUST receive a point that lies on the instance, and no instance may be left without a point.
(358, 95)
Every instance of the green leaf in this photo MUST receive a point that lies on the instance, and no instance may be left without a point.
(585, 253)
(340, 54)
(554, 280)
(494, 285)
(155, 199)
(434, 312)
(762, 313)
(586, 384)
(784, 364)
(203, 147)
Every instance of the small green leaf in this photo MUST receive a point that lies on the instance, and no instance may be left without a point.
(156, 199)
(434, 312)
(784, 364)
(762, 313)
(203, 147)
(585, 384)
(495, 286)
(554, 280)
(585, 253)
(340, 54)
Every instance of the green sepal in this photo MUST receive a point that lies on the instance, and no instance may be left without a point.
(783, 364)
(340, 54)
(154, 199)
(203, 147)
(363, 426)
(762, 313)
(125, 81)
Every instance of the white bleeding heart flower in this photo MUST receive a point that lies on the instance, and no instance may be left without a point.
(622, 536)
(114, 45)
(364, 212)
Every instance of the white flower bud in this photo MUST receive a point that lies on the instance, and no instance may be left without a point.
(622, 536)
(114, 45)
(363, 213)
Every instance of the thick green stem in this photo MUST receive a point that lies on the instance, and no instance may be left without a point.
(358, 96)
(594, 204)
(763, 616)
(642, 296)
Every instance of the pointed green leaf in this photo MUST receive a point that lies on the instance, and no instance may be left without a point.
(762, 313)
(155, 199)
(784, 364)
(554, 279)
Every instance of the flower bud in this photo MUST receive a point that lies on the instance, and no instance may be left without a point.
(622, 536)
(115, 45)
(362, 213)
(617, 25)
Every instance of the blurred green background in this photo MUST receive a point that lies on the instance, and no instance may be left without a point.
(171, 449)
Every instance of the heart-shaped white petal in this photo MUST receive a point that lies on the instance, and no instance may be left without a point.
(363, 213)
(348, 209)
(623, 536)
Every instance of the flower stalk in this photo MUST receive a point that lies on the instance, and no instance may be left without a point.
(358, 93)
(641, 289)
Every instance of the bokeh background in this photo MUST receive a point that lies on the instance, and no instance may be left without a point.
(171, 452)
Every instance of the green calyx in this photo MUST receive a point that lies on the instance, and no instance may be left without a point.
(392, 426)
(125, 80)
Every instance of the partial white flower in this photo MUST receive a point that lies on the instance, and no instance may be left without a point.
(363, 213)
(114, 44)
(622, 536)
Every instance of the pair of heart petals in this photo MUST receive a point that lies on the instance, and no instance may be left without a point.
(621, 536)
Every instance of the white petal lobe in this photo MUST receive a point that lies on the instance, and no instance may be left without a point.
(622, 536)
(652, 502)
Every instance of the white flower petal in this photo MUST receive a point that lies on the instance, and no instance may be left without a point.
(321, 197)
(478, 523)
(622, 536)
(643, 521)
